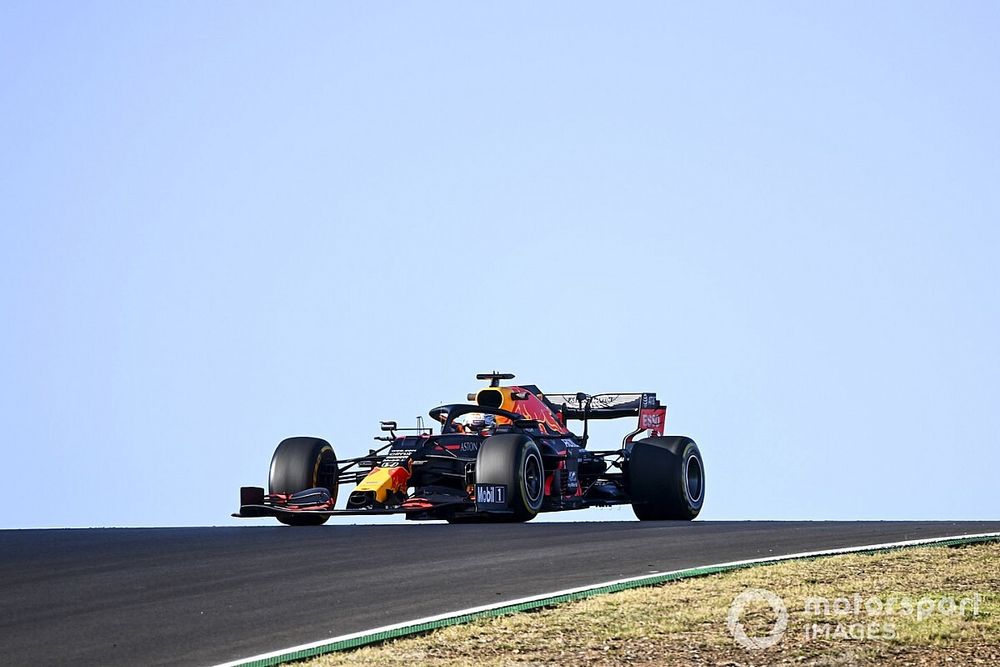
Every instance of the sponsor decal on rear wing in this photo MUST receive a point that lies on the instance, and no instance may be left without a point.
(602, 406)
(652, 415)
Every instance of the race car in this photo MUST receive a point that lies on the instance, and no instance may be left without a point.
(505, 456)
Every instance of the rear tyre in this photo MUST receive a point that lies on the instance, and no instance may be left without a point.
(665, 478)
(515, 461)
(299, 464)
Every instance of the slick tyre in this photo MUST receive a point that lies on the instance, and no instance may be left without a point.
(665, 478)
(299, 464)
(515, 461)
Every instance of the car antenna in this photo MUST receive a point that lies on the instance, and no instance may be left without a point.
(494, 377)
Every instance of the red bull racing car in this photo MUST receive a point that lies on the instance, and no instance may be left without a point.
(507, 455)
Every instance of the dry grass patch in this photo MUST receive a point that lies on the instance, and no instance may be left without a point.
(684, 622)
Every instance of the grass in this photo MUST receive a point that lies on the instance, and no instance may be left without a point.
(684, 622)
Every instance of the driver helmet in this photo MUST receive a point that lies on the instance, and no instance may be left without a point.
(478, 421)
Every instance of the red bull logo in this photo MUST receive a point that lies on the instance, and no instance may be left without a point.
(533, 408)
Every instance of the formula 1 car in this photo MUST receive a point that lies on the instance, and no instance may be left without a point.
(504, 457)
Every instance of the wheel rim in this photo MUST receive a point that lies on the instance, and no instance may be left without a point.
(694, 478)
(532, 478)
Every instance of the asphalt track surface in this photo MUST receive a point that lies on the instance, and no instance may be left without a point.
(200, 596)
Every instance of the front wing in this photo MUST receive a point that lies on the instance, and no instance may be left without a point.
(255, 504)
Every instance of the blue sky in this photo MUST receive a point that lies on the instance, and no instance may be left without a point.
(226, 223)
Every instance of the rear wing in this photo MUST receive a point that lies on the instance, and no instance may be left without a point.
(584, 407)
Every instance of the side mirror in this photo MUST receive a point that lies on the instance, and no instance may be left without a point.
(519, 395)
(388, 426)
(472, 397)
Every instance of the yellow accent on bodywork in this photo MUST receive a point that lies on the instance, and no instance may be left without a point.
(380, 481)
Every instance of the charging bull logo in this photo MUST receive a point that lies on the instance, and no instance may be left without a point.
(533, 408)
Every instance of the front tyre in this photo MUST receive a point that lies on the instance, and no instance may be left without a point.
(299, 464)
(665, 478)
(515, 461)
